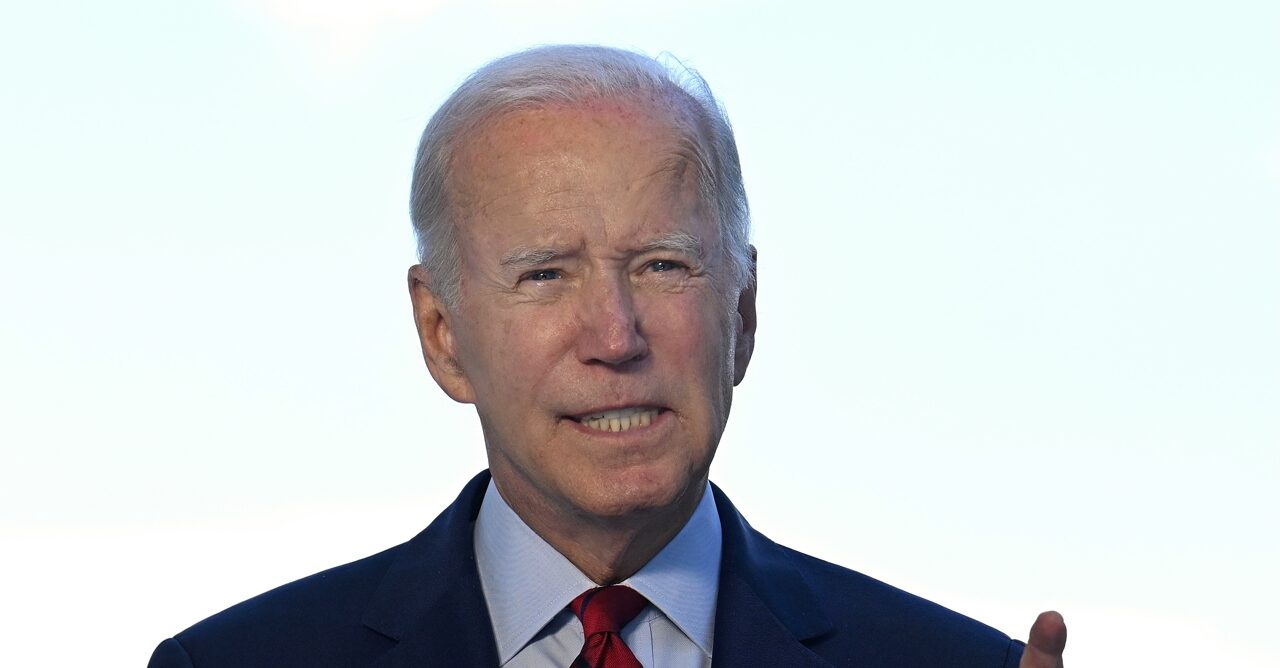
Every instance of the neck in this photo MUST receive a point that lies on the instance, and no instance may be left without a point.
(609, 549)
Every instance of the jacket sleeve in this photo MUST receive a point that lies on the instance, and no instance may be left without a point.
(170, 654)
(1014, 655)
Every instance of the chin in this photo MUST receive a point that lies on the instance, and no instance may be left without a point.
(639, 492)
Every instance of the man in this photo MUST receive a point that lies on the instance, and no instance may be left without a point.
(586, 282)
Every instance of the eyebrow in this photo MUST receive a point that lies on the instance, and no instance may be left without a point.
(523, 256)
(678, 242)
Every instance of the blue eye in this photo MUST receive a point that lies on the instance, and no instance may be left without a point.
(542, 275)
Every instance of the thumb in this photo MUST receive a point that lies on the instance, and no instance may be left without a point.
(1047, 640)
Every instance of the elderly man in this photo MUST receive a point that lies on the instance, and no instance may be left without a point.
(586, 282)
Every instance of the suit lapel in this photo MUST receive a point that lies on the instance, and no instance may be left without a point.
(765, 610)
(430, 600)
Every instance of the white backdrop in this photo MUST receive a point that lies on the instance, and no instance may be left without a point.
(1019, 303)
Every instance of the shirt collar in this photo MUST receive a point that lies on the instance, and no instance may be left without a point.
(526, 582)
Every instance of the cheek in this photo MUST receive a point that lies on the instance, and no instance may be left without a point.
(512, 349)
(692, 334)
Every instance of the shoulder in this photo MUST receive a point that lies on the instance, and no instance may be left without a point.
(849, 618)
(314, 621)
(907, 629)
(350, 614)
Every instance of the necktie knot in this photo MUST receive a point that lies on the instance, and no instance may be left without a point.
(604, 611)
(607, 609)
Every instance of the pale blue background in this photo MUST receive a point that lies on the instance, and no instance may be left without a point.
(1019, 303)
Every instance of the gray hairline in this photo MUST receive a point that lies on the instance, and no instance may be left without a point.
(573, 74)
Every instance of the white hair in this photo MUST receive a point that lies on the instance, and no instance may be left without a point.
(570, 74)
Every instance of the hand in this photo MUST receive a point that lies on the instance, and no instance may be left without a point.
(1048, 639)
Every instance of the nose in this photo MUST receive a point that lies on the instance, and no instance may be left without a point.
(609, 329)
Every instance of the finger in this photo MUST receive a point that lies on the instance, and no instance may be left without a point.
(1046, 643)
(1049, 633)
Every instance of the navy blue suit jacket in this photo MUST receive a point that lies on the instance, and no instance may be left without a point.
(420, 604)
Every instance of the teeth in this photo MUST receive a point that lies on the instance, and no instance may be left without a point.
(620, 420)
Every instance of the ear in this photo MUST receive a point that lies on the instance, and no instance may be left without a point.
(435, 332)
(747, 322)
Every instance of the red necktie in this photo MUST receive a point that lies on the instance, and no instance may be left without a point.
(604, 611)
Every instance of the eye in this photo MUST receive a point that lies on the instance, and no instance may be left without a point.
(541, 275)
(664, 265)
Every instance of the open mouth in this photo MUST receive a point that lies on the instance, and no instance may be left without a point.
(620, 419)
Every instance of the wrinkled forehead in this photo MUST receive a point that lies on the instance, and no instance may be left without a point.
(553, 140)
(674, 108)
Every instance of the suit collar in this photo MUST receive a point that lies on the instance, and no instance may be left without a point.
(430, 600)
(766, 611)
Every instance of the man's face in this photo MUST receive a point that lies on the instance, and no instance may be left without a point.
(598, 333)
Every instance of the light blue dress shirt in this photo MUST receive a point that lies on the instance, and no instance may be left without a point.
(528, 586)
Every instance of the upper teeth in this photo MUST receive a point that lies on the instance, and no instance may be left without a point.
(620, 420)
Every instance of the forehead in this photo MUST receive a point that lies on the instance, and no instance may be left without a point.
(583, 124)
(598, 155)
